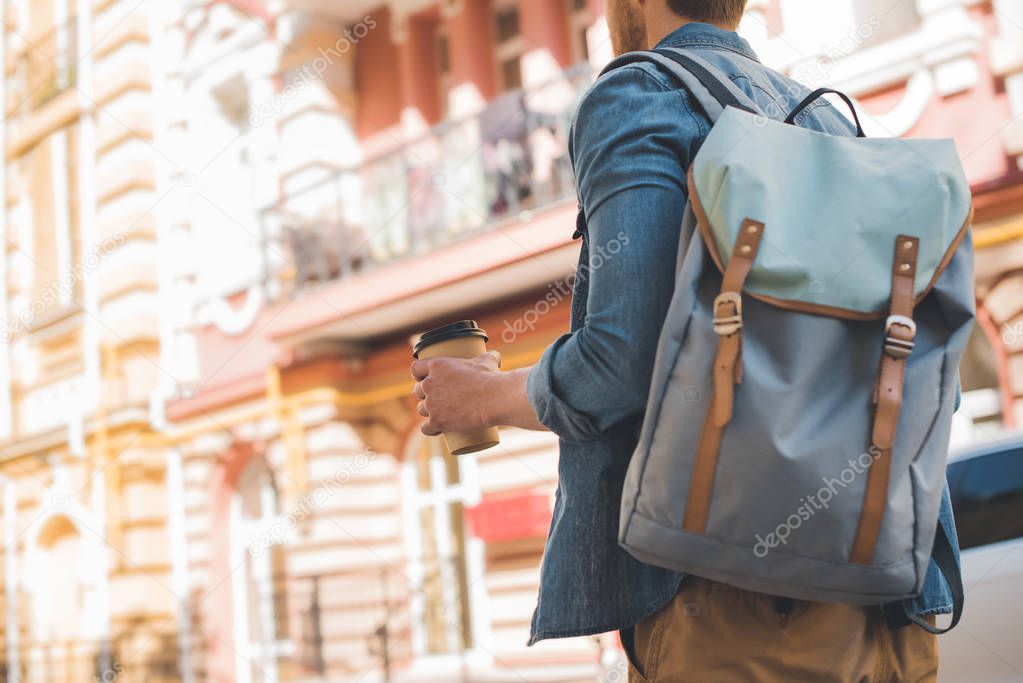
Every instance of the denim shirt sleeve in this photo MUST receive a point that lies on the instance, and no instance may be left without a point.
(936, 597)
(632, 144)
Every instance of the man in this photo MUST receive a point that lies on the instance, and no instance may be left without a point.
(635, 135)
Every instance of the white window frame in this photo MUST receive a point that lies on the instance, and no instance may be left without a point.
(257, 569)
(438, 498)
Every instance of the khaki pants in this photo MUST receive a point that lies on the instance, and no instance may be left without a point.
(713, 633)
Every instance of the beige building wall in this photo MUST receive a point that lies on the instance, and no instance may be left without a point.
(86, 555)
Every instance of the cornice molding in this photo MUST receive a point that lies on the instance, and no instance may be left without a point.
(402, 10)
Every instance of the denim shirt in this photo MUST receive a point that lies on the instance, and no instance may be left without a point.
(635, 134)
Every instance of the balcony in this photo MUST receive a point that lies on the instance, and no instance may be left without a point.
(465, 178)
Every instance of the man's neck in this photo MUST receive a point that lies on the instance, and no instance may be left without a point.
(657, 31)
(657, 28)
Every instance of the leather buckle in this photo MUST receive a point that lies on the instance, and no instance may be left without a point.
(899, 348)
(726, 326)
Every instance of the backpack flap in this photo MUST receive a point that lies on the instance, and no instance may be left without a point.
(832, 207)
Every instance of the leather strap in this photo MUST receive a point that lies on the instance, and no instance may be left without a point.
(900, 331)
(816, 95)
(727, 373)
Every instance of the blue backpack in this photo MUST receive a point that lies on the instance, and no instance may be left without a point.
(797, 427)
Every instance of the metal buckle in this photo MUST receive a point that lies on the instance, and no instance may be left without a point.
(905, 321)
(728, 325)
(899, 348)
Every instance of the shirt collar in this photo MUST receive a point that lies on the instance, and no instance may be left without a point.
(696, 34)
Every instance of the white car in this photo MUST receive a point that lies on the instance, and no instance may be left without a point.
(987, 495)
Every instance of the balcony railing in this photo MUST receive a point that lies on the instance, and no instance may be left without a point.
(141, 657)
(460, 179)
(358, 612)
(353, 621)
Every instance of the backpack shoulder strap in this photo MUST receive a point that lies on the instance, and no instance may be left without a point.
(712, 90)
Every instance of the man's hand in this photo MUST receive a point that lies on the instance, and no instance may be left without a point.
(453, 392)
(462, 395)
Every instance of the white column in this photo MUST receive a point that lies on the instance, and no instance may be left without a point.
(167, 92)
(11, 574)
(102, 569)
(179, 561)
(239, 592)
(5, 347)
(90, 389)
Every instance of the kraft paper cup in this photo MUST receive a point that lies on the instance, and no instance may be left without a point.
(463, 339)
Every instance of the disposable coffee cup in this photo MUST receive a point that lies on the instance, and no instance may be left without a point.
(464, 339)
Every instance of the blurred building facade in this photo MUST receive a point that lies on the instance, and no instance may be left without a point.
(224, 223)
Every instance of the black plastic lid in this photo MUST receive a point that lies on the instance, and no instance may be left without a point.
(463, 328)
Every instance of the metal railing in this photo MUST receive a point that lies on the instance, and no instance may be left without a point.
(352, 622)
(349, 621)
(131, 657)
(342, 623)
(458, 180)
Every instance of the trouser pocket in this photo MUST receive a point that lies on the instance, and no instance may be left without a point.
(628, 636)
(642, 645)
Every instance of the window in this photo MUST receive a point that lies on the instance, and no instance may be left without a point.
(52, 174)
(257, 586)
(49, 64)
(223, 141)
(62, 574)
(580, 19)
(979, 418)
(436, 522)
(443, 71)
(510, 47)
(987, 497)
(58, 604)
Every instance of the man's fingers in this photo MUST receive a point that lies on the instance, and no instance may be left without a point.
(429, 429)
(421, 409)
(496, 356)
(418, 392)
(420, 369)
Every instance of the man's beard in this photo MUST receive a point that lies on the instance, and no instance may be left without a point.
(626, 25)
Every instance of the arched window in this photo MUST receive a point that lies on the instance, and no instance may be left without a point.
(257, 560)
(979, 418)
(59, 604)
(62, 610)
